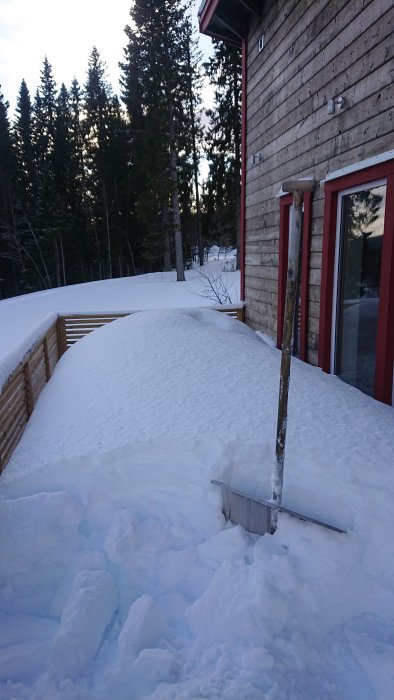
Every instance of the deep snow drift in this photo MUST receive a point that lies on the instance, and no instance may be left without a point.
(26, 318)
(120, 578)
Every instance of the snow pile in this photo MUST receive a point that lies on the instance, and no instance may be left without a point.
(120, 577)
(25, 319)
(20, 346)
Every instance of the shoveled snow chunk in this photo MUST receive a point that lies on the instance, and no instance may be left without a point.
(121, 539)
(34, 525)
(228, 544)
(257, 659)
(25, 641)
(154, 666)
(222, 612)
(91, 605)
(144, 627)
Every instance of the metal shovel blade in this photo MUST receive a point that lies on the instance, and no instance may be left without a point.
(254, 514)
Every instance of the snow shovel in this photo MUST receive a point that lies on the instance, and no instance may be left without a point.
(257, 514)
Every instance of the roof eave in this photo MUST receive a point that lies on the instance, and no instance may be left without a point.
(216, 21)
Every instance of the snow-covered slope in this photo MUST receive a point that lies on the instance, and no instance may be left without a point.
(120, 578)
(24, 318)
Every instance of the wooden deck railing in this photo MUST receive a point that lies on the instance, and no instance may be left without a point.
(20, 392)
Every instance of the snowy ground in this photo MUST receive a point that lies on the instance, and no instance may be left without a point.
(23, 317)
(120, 578)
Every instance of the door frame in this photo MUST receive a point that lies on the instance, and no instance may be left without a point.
(385, 334)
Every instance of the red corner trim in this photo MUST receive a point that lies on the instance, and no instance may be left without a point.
(327, 278)
(243, 171)
(385, 339)
(306, 254)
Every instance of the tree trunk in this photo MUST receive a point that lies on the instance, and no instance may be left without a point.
(105, 200)
(195, 162)
(166, 238)
(180, 271)
(63, 260)
(131, 255)
(57, 265)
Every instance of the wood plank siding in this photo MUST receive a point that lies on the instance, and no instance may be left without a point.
(314, 51)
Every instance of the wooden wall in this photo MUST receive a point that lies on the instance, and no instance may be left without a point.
(314, 50)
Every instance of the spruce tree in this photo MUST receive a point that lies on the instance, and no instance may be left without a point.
(151, 187)
(156, 91)
(23, 138)
(194, 86)
(47, 219)
(61, 170)
(81, 249)
(105, 148)
(223, 188)
(9, 248)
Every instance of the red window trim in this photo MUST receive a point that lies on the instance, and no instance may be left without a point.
(385, 335)
(285, 204)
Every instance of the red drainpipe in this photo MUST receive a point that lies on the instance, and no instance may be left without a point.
(243, 170)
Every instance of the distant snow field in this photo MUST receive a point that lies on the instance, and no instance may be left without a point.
(23, 317)
(119, 577)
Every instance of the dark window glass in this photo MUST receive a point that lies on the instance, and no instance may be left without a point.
(359, 282)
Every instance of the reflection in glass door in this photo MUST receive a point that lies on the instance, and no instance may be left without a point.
(360, 254)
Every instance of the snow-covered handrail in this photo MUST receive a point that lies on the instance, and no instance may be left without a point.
(20, 392)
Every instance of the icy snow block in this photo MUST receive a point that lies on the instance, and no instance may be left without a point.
(144, 627)
(90, 607)
(251, 514)
(153, 666)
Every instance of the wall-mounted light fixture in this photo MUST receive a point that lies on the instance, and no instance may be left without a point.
(257, 158)
(339, 102)
(261, 43)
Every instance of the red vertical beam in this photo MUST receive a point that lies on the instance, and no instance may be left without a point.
(327, 277)
(243, 169)
(285, 203)
(385, 336)
(306, 253)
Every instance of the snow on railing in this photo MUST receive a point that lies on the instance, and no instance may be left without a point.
(21, 390)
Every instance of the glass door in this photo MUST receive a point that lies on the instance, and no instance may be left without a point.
(359, 263)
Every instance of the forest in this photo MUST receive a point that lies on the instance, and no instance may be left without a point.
(95, 185)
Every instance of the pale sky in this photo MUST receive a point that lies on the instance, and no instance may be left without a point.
(65, 32)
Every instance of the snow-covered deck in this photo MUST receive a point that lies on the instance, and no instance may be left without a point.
(120, 577)
(45, 346)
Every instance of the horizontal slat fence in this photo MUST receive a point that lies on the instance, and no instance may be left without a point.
(76, 326)
(21, 391)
